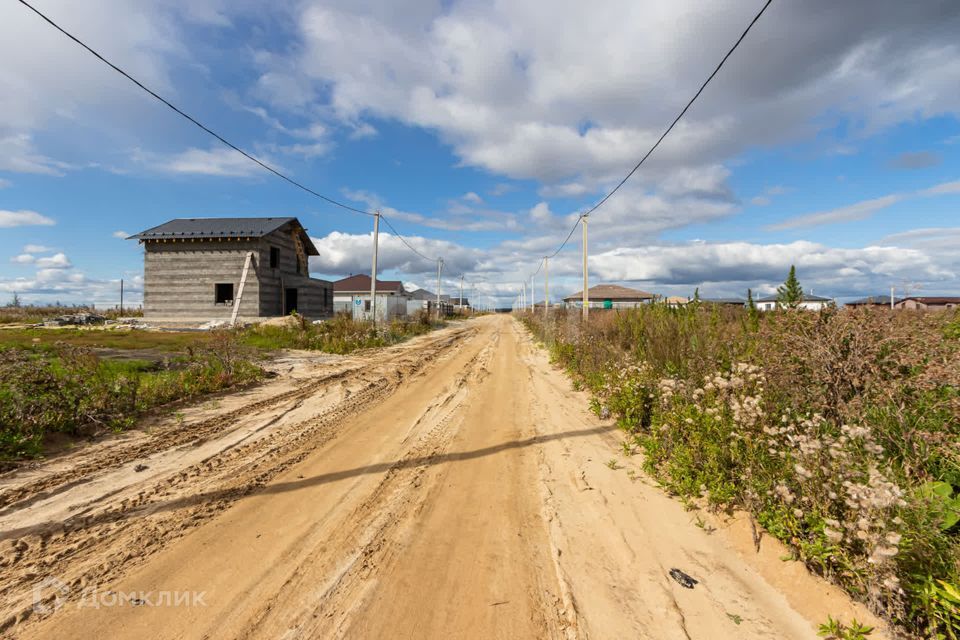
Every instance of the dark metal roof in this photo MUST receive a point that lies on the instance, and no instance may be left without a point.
(884, 300)
(610, 292)
(933, 299)
(208, 228)
(361, 283)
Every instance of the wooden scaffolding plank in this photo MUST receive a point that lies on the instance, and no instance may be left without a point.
(243, 281)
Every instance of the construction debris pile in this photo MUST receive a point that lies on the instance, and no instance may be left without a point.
(75, 319)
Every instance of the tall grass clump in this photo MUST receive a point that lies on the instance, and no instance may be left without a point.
(341, 334)
(69, 390)
(838, 431)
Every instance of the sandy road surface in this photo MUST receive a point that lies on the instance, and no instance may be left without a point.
(450, 487)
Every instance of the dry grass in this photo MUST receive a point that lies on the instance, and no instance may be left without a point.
(839, 431)
(37, 314)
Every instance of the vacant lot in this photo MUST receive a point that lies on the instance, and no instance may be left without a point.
(452, 486)
(58, 384)
(838, 431)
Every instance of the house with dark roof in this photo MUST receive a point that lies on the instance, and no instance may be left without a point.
(872, 301)
(249, 269)
(609, 296)
(929, 302)
(352, 295)
(730, 302)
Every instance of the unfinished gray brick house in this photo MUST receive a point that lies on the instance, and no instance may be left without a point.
(233, 269)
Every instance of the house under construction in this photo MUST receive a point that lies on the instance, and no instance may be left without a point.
(247, 269)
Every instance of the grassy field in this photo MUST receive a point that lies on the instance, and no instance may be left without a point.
(96, 338)
(80, 382)
(342, 334)
(66, 389)
(838, 431)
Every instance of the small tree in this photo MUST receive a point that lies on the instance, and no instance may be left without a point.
(752, 312)
(790, 293)
(15, 302)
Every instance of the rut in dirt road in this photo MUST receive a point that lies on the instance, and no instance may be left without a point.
(452, 488)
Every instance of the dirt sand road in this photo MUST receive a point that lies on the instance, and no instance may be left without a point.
(451, 487)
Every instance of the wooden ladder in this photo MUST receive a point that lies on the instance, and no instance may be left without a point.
(243, 281)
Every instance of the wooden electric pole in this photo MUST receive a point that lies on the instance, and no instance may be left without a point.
(439, 268)
(373, 268)
(533, 294)
(546, 287)
(586, 297)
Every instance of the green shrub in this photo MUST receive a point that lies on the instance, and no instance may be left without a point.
(70, 390)
(341, 334)
(839, 431)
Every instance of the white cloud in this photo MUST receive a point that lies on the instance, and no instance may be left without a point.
(36, 248)
(56, 261)
(122, 235)
(457, 217)
(945, 188)
(857, 211)
(345, 253)
(5, 183)
(540, 213)
(24, 258)
(72, 287)
(863, 209)
(363, 131)
(760, 201)
(18, 154)
(23, 218)
(472, 197)
(935, 240)
(726, 268)
(217, 161)
(564, 190)
(511, 97)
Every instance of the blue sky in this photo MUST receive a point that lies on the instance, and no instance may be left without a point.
(830, 140)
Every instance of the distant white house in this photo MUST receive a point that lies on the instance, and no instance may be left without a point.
(810, 302)
(424, 300)
(352, 295)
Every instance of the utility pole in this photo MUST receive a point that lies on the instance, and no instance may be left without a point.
(586, 297)
(546, 287)
(439, 268)
(533, 294)
(891, 298)
(523, 296)
(461, 293)
(121, 296)
(373, 268)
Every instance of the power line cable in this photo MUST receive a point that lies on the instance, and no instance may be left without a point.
(567, 239)
(216, 135)
(684, 111)
(667, 131)
(404, 240)
(193, 120)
